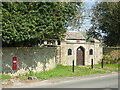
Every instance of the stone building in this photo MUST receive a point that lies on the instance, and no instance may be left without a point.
(76, 47)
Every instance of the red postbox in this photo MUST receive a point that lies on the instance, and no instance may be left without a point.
(14, 63)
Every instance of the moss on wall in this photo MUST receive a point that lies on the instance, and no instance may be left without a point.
(28, 58)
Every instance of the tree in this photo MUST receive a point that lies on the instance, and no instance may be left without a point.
(26, 23)
(106, 21)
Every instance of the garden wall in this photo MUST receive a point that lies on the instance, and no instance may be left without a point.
(0, 59)
(114, 51)
(29, 58)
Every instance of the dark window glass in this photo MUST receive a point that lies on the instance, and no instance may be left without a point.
(69, 51)
(59, 42)
(91, 52)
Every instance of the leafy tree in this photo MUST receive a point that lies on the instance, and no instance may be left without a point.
(106, 21)
(27, 23)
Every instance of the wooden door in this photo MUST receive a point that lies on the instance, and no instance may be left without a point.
(80, 56)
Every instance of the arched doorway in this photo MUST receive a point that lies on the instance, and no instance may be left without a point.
(80, 56)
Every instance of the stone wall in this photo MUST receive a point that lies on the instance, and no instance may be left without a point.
(29, 58)
(0, 59)
(67, 59)
(40, 59)
(111, 50)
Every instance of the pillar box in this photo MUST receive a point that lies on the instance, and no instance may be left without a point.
(14, 63)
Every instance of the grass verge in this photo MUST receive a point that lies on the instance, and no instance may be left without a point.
(107, 67)
(66, 71)
(62, 71)
(4, 77)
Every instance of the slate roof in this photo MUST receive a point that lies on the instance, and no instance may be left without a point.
(74, 36)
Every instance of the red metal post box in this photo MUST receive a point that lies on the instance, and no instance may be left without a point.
(14, 63)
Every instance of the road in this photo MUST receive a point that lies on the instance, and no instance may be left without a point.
(109, 81)
(90, 81)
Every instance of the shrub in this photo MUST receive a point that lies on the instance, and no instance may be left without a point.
(112, 58)
(107, 59)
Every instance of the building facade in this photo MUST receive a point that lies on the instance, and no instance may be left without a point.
(51, 53)
(76, 47)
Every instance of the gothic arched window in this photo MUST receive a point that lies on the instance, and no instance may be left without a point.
(69, 51)
(91, 52)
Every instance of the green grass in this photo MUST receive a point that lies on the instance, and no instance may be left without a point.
(107, 67)
(66, 71)
(62, 71)
(4, 77)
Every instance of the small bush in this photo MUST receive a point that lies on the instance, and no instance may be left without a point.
(109, 59)
(114, 56)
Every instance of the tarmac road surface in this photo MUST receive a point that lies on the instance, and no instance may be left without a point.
(109, 81)
(90, 81)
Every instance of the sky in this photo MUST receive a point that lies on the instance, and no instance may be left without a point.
(88, 6)
(87, 21)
